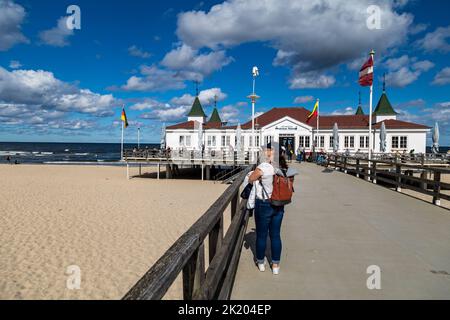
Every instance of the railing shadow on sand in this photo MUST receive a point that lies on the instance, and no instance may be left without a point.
(187, 254)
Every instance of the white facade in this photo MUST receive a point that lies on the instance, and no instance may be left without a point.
(301, 135)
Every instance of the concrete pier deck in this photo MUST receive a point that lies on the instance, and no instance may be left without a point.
(336, 228)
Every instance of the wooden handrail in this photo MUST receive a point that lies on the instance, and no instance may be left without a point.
(372, 171)
(187, 254)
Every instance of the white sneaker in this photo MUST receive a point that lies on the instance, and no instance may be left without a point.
(262, 267)
(276, 271)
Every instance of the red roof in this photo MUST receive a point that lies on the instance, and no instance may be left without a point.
(191, 125)
(301, 115)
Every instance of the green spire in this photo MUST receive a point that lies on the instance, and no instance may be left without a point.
(215, 117)
(197, 109)
(360, 109)
(384, 107)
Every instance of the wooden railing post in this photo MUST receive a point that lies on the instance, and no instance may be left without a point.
(345, 164)
(194, 273)
(335, 162)
(357, 168)
(398, 178)
(374, 172)
(215, 238)
(235, 204)
(437, 188)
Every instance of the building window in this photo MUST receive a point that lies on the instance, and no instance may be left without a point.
(181, 141)
(267, 140)
(322, 142)
(228, 140)
(349, 142)
(364, 142)
(250, 141)
(213, 141)
(400, 142)
(224, 141)
(331, 142)
(257, 141)
(403, 142)
(304, 142)
(188, 141)
(209, 141)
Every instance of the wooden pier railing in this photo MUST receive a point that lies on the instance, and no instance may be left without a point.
(187, 254)
(396, 173)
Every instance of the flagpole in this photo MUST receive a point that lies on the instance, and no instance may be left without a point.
(121, 145)
(372, 53)
(318, 115)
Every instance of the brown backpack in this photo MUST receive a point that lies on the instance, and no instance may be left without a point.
(283, 189)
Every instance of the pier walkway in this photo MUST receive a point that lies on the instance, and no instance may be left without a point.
(336, 228)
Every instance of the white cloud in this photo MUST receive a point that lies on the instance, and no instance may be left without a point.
(230, 113)
(11, 19)
(186, 58)
(14, 64)
(442, 77)
(344, 112)
(148, 104)
(39, 91)
(168, 114)
(436, 40)
(302, 31)
(303, 99)
(57, 36)
(206, 97)
(138, 52)
(404, 70)
(152, 78)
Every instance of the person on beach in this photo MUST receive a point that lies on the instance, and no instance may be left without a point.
(268, 218)
(8, 159)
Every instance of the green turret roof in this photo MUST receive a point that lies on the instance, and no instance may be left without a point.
(197, 109)
(360, 111)
(384, 107)
(215, 117)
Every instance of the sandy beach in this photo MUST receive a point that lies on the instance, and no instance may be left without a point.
(113, 229)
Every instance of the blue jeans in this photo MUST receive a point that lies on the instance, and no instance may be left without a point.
(268, 220)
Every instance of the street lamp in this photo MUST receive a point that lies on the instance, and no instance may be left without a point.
(253, 97)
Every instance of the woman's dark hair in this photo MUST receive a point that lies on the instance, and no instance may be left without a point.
(283, 162)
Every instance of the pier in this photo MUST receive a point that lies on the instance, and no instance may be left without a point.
(344, 221)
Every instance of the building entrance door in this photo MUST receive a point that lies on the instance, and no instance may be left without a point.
(288, 142)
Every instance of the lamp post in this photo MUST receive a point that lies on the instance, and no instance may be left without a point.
(139, 138)
(253, 97)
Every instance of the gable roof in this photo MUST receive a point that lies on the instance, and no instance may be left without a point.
(197, 109)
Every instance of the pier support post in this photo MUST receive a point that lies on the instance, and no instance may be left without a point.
(203, 172)
(140, 169)
(208, 173)
(128, 171)
(159, 170)
(168, 171)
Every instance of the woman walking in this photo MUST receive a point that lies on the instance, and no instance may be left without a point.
(268, 218)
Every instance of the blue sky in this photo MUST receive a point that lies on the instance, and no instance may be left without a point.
(58, 84)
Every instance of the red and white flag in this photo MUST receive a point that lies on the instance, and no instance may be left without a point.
(366, 73)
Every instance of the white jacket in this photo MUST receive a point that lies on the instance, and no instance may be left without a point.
(252, 198)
